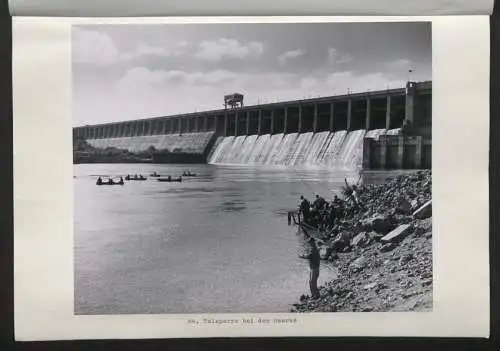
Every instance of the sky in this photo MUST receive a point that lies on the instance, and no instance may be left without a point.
(124, 72)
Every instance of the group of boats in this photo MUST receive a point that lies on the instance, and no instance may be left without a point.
(140, 177)
(184, 174)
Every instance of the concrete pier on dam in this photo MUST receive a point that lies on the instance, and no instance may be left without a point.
(327, 131)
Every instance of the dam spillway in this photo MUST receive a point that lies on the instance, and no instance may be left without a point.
(319, 132)
(339, 149)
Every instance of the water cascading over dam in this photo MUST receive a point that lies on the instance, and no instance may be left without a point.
(323, 149)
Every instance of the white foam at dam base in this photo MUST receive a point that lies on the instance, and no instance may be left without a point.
(339, 149)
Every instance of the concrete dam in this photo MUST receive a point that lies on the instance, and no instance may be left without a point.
(353, 130)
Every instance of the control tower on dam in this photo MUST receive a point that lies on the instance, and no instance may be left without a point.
(281, 130)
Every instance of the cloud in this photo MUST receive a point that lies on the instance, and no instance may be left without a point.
(402, 63)
(308, 83)
(181, 48)
(140, 77)
(144, 50)
(401, 66)
(218, 76)
(335, 58)
(216, 50)
(144, 78)
(291, 55)
(93, 47)
(276, 83)
(342, 82)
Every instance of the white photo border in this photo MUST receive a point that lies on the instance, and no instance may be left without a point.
(43, 208)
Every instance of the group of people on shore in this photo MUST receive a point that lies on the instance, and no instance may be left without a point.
(323, 214)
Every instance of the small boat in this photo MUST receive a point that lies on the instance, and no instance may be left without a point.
(169, 179)
(106, 183)
(188, 174)
(109, 182)
(141, 177)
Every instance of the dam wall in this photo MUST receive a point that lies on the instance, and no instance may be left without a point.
(326, 131)
(397, 152)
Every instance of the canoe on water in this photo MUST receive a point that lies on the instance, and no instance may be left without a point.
(130, 178)
(170, 180)
(106, 183)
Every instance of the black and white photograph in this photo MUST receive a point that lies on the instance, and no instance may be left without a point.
(252, 167)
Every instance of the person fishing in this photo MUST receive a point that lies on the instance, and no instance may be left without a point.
(121, 181)
(319, 203)
(99, 181)
(353, 194)
(304, 209)
(110, 181)
(314, 264)
(332, 214)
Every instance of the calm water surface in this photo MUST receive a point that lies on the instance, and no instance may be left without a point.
(218, 242)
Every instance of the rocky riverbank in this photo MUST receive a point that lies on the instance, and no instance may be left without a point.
(382, 251)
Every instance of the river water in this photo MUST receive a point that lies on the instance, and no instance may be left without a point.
(218, 242)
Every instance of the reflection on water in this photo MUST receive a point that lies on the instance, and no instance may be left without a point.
(218, 242)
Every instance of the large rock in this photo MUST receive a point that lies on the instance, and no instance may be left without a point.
(379, 224)
(403, 206)
(425, 224)
(374, 236)
(425, 211)
(342, 241)
(360, 240)
(325, 252)
(397, 234)
(414, 204)
(358, 264)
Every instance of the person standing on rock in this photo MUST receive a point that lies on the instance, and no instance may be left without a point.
(319, 203)
(332, 215)
(314, 263)
(353, 194)
(304, 209)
